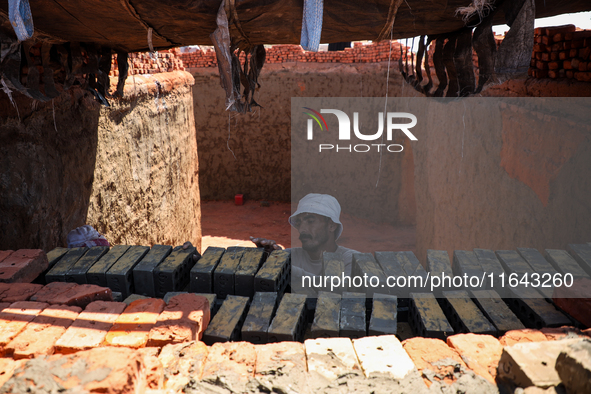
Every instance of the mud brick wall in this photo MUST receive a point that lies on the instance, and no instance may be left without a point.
(561, 52)
(129, 170)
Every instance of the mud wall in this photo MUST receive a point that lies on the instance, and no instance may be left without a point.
(130, 170)
(502, 177)
(250, 154)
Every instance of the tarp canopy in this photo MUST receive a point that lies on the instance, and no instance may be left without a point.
(124, 24)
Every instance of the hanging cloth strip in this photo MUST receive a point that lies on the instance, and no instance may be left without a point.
(312, 25)
(19, 13)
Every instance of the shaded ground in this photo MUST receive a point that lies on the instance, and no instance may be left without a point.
(225, 224)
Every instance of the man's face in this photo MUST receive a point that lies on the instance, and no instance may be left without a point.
(315, 230)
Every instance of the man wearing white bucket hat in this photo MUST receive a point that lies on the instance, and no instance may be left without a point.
(317, 219)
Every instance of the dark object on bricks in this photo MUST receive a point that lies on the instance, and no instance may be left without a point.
(464, 315)
(334, 266)
(339, 46)
(173, 273)
(143, 272)
(249, 265)
(259, 317)
(495, 309)
(289, 323)
(533, 310)
(426, 317)
(365, 264)
(466, 263)
(275, 273)
(212, 299)
(536, 261)
(120, 275)
(97, 274)
(392, 267)
(352, 323)
(384, 313)
(77, 273)
(61, 268)
(223, 276)
(582, 254)
(489, 263)
(327, 315)
(225, 326)
(410, 264)
(565, 263)
(202, 271)
(55, 255)
(512, 262)
(438, 265)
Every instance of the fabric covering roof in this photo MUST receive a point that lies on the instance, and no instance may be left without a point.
(123, 24)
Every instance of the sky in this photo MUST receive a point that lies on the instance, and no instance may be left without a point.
(580, 19)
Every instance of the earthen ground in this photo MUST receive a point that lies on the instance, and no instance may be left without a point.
(223, 224)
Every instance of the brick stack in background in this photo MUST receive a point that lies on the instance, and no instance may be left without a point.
(360, 53)
(561, 51)
(148, 63)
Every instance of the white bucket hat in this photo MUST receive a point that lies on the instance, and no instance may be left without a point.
(320, 204)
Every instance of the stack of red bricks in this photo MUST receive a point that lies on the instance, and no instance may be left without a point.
(150, 63)
(560, 52)
(200, 58)
(360, 53)
(113, 348)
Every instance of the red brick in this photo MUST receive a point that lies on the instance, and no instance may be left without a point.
(184, 319)
(40, 335)
(540, 65)
(281, 364)
(90, 328)
(557, 333)
(4, 305)
(100, 370)
(575, 300)
(154, 371)
(287, 356)
(14, 292)
(4, 254)
(519, 336)
(24, 265)
(583, 76)
(181, 362)
(50, 291)
(133, 326)
(7, 367)
(82, 295)
(15, 318)
(481, 353)
(427, 353)
(564, 29)
(236, 360)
